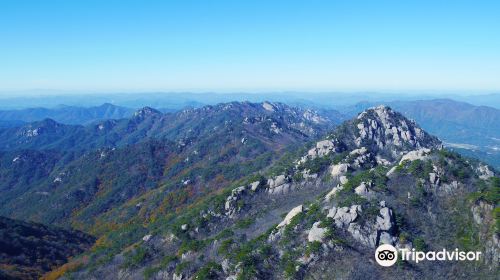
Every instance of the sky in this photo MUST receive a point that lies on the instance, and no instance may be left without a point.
(121, 45)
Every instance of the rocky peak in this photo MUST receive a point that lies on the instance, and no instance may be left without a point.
(37, 128)
(269, 106)
(146, 112)
(385, 127)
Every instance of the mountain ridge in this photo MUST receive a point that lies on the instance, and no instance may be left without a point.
(370, 182)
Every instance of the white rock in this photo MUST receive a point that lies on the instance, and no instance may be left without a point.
(343, 180)
(359, 151)
(184, 227)
(146, 238)
(434, 178)
(386, 238)
(268, 106)
(254, 185)
(384, 221)
(391, 171)
(316, 233)
(414, 155)
(343, 216)
(485, 172)
(290, 215)
(382, 161)
(332, 193)
(277, 181)
(339, 170)
(366, 237)
(362, 190)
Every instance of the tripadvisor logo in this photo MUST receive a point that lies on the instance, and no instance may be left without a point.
(387, 255)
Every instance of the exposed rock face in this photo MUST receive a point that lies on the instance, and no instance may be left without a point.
(145, 112)
(278, 185)
(372, 233)
(361, 157)
(384, 221)
(254, 186)
(231, 201)
(277, 181)
(485, 172)
(434, 179)
(343, 216)
(313, 116)
(363, 190)
(332, 193)
(414, 155)
(316, 233)
(146, 238)
(385, 127)
(268, 106)
(480, 210)
(343, 180)
(290, 215)
(322, 148)
(306, 174)
(339, 170)
(231, 206)
(482, 215)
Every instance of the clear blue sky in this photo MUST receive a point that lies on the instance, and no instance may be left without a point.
(249, 45)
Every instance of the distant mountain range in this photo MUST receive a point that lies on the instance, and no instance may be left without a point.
(65, 168)
(66, 114)
(472, 130)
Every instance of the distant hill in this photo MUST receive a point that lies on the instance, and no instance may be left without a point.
(28, 250)
(67, 114)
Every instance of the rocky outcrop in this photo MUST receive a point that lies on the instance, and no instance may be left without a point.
(370, 233)
(278, 232)
(322, 148)
(363, 190)
(360, 157)
(231, 206)
(434, 179)
(343, 216)
(384, 127)
(268, 106)
(332, 193)
(254, 186)
(482, 213)
(288, 218)
(316, 233)
(420, 154)
(484, 172)
(279, 185)
(338, 170)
